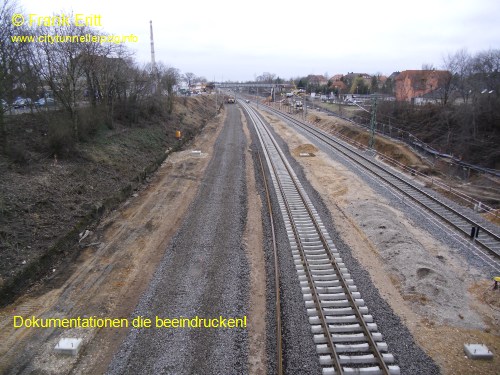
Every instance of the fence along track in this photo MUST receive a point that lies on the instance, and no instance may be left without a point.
(346, 338)
(487, 238)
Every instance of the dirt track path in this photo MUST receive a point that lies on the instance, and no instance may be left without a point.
(109, 278)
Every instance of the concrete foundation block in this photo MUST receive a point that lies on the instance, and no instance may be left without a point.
(68, 346)
(477, 351)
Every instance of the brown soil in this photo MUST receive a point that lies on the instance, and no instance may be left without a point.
(493, 217)
(304, 149)
(439, 297)
(110, 273)
(383, 145)
(253, 240)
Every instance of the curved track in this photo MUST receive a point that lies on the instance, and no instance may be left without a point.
(347, 340)
(488, 237)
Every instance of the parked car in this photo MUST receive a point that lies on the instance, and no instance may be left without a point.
(42, 102)
(22, 102)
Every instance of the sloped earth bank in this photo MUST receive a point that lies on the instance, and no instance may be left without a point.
(46, 202)
(482, 187)
(108, 277)
(443, 299)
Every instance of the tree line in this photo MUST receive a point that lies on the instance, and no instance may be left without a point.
(461, 118)
(104, 77)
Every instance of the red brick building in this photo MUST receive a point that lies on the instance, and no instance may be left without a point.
(411, 84)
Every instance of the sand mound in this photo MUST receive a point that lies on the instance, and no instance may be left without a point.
(305, 148)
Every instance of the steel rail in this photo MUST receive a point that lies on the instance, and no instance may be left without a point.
(377, 169)
(335, 266)
(314, 291)
(279, 343)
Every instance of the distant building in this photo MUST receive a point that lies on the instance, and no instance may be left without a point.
(412, 84)
(381, 80)
(338, 85)
(317, 80)
(356, 75)
(394, 75)
(434, 97)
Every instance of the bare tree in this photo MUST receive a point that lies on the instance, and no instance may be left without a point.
(459, 65)
(62, 66)
(486, 70)
(189, 78)
(266, 77)
(138, 90)
(106, 68)
(94, 62)
(12, 54)
(168, 78)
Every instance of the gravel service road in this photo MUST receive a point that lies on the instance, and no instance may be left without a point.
(204, 273)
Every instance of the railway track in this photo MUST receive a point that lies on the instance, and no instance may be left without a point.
(346, 338)
(486, 236)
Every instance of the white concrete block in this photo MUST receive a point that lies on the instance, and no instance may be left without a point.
(477, 351)
(69, 346)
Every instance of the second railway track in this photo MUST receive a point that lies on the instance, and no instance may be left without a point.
(487, 238)
(346, 337)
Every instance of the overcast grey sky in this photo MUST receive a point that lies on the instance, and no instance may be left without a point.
(238, 40)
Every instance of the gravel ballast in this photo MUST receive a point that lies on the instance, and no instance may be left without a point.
(204, 273)
(299, 351)
(409, 356)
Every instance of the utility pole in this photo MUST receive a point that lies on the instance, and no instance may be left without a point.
(373, 123)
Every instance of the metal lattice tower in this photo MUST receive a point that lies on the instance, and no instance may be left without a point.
(154, 72)
(153, 63)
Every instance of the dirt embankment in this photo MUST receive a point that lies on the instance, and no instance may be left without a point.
(387, 147)
(46, 202)
(107, 279)
(481, 187)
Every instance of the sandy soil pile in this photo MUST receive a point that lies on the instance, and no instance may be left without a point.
(304, 149)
